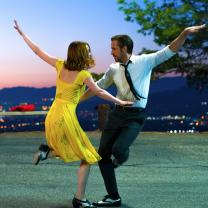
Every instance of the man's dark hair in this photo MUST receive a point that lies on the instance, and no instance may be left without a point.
(124, 40)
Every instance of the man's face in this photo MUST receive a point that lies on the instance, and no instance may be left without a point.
(119, 54)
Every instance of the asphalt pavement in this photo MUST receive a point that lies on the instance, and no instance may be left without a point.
(164, 171)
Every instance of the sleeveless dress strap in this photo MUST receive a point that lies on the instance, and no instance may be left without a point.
(59, 65)
(84, 74)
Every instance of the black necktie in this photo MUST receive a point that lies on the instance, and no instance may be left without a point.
(128, 79)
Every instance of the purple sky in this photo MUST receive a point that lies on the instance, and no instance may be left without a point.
(53, 25)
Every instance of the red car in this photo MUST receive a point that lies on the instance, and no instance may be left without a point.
(28, 107)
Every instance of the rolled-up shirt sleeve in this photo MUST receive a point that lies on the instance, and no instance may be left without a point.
(106, 80)
(160, 56)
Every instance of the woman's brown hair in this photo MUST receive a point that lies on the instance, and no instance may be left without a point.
(79, 57)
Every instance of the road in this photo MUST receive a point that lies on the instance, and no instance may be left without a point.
(163, 171)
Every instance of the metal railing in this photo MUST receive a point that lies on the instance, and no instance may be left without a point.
(20, 113)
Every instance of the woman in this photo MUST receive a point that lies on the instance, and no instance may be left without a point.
(64, 135)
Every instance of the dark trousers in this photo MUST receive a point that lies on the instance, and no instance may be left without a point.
(120, 131)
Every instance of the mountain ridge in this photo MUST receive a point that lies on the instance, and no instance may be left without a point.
(167, 96)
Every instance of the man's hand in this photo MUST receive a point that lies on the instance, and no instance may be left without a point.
(194, 29)
(179, 41)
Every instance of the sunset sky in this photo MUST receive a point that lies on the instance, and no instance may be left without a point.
(53, 24)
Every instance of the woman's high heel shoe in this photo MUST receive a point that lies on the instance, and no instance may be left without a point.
(81, 204)
(42, 154)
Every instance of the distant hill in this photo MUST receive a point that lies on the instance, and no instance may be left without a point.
(182, 101)
(25, 94)
(173, 96)
(166, 84)
(167, 96)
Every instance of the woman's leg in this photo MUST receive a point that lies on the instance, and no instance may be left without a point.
(51, 154)
(82, 177)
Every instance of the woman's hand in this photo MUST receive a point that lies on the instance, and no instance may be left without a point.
(126, 103)
(16, 26)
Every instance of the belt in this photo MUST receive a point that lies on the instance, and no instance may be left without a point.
(126, 108)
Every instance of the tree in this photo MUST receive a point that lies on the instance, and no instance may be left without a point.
(165, 19)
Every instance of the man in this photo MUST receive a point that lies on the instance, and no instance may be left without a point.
(124, 123)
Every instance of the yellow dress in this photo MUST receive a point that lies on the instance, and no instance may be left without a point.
(63, 132)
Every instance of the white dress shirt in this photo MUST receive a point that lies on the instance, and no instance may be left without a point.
(140, 70)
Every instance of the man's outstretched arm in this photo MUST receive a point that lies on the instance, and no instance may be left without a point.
(179, 41)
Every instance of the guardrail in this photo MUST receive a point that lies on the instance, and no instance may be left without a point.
(20, 113)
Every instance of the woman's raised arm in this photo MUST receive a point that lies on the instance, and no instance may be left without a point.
(42, 54)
